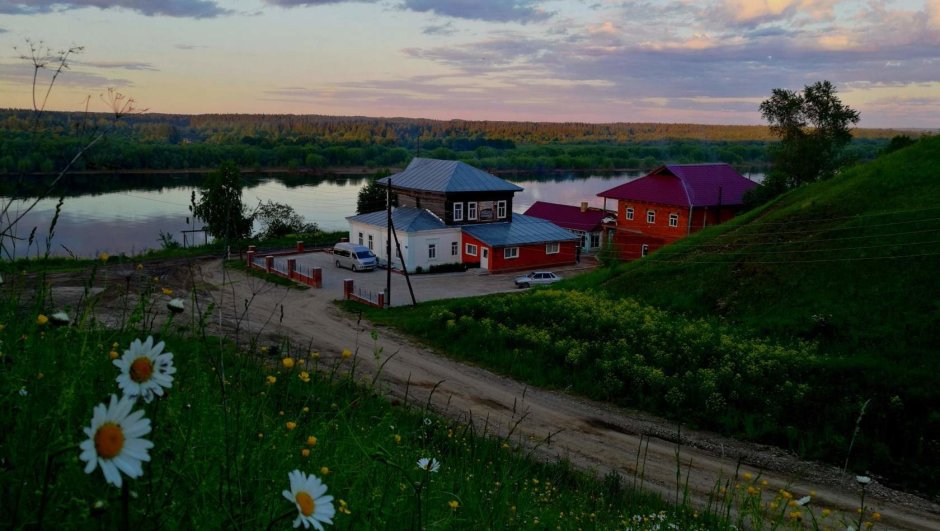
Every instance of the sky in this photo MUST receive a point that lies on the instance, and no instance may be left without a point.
(673, 61)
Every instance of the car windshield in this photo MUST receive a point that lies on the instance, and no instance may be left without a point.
(365, 254)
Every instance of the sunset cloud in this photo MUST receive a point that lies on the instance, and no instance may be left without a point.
(171, 8)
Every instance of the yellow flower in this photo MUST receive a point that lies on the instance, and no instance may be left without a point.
(304, 376)
(343, 507)
(113, 355)
(876, 516)
(41, 320)
(752, 490)
(785, 494)
(305, 452)
(306, 409)
(311, 440)
(288, 363)
(325, 471)
(763, 483)
(104, 257)
(347, 353)
(397, 439)
(747, 476)
(167, 291)
(826, 512)
(314, 355)
(291, 425)
(453, 505)
(271, 379)
(796, 515)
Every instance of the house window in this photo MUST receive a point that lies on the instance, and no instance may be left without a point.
(360, 238)
(651, 216)
(458, 211)
(454, 248)
(595, 239)
(472, 210)
(471, 249)
(629, 213)
(673, 220)
(432, 251)
(644, 250)
(551, 248)
(501, 209)
(371, 248)
(511, 252)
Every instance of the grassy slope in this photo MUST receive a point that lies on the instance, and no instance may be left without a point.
(816, 251)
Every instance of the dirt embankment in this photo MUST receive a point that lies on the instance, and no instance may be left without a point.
(555, 425)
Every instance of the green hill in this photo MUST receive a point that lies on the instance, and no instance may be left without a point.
(852, 262)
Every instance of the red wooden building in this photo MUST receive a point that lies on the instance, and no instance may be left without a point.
(525, 243)
(670, 203)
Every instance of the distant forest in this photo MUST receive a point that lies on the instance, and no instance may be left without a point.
(298, 142)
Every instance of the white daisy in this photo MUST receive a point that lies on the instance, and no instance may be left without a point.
(803, 501)
(145, 369)
(429, 464)
(114, 441)
(176, 305)
(863, 480)
(60, 318)
(307, 492)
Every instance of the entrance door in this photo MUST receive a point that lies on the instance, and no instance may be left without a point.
(485, 259)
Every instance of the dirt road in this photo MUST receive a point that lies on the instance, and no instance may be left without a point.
(591, 435)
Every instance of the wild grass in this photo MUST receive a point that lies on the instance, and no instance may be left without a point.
(238, 418)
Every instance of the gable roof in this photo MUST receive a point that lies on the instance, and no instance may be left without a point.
(568, 216)
(435, 175)
(689, 185)
(406, 219)
(521, 230)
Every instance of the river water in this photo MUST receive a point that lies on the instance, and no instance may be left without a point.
(131, 221)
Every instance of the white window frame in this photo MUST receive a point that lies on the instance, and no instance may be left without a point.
(458, 211)
(471, 210)
(432, 251)
(500, 209)
(673, 220)
(371, 243)
(454, 248)
(651, 217)
(552, 248)
(471, 249)
(644, 250)
(510, 253)
(629, 213)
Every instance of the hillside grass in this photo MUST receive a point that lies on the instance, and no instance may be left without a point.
(781, 326)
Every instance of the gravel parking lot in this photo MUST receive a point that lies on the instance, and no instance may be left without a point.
(426, 287)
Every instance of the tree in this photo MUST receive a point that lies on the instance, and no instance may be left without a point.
(372, 196)
(278, 219)
(813, 126)
(220, 204)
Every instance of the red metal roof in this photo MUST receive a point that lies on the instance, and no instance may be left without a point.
(568, 216)
(694, 185)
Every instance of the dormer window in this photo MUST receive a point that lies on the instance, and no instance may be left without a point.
(500, 209)
(458, 211)
(472, 210)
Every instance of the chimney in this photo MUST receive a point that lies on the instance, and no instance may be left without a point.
(584, 206)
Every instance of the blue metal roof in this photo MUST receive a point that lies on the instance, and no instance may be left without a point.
(407, 219)
(521, 230)
(435, 175)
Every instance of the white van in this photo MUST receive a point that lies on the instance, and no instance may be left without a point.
(355, 257)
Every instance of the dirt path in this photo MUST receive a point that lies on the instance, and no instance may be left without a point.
(591, 435)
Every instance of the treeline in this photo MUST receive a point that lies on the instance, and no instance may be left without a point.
(182, 142)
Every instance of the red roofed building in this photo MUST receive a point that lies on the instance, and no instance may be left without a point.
(584, 221)
(671, 202)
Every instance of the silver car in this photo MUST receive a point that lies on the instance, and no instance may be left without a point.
(536, 277)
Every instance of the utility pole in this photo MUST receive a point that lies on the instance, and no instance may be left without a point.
(388, 244)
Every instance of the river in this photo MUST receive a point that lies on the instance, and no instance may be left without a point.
(131, 220)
